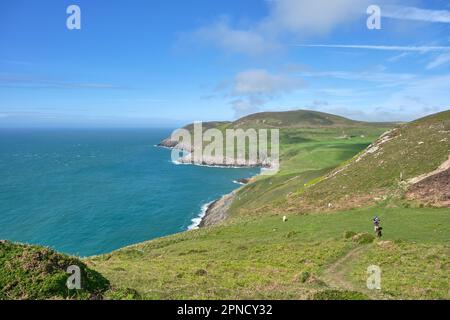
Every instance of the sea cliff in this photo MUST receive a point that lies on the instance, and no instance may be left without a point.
(218, 210)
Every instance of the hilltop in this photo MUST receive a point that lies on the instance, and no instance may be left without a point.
(281, 120)
(294, 119)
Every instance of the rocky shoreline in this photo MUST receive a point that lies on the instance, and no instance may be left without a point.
(217, 211)
(243, 181)
(212, 160)
(171, 144)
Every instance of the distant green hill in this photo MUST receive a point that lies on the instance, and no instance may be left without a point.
(208, 125)
(301, 130)
(286, 120)
(294, 119)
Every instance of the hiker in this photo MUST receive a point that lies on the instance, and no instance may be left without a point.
(378, 231)
(376, 223)
(376, 226)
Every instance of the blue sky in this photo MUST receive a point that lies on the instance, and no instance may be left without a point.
(165, 63)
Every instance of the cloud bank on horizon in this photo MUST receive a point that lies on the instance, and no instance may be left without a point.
(229, 59)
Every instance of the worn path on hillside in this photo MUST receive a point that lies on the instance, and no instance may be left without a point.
(335, 275)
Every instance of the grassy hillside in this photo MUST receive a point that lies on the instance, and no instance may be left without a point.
(285, 119)
(300, 125)
(255, 255)
(305, 155)
(32, 272)
(311, 144)
(294, 119)
(382, 171)
(209, 125)
(360, 179)
(267, 258)
(326, 168)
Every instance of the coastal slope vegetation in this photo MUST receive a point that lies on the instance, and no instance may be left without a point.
(266, 258)
(335, 175)
(383, 170)
(34, 272)
(331, 183)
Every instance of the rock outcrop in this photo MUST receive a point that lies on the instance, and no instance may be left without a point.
(218, 210)
(213, 160)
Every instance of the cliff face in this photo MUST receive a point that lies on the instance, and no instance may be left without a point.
(212, 160)
(218, 210)
(169, 143)
(224, 162)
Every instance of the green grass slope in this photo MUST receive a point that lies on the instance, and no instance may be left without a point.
(32, 272)
(294, 119)
(306, 154)
(327, 173)
(311, 256)
(311, 145)
(265, 258)
(381, 171)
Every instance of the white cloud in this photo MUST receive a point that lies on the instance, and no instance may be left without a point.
(301, 18)
(261, 82)
(244, 107)
(421, 49)
(251, 89)
(416, 14)
(439, 60)
(399, 56)
(233, 40)
(383, 79)
(9, 80)
(16, 62)
(422, 96)
(406, 50)
(306, 17)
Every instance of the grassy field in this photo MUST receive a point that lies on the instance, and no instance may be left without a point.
(266, 258)
(411, 270)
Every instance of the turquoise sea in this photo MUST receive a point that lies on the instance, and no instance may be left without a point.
(87, 192)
